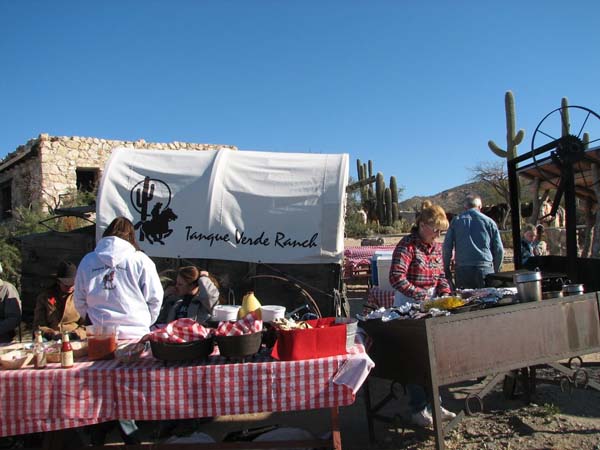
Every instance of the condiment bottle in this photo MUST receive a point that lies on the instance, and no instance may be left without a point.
(250, 304)
(66, 352)
(39, 355)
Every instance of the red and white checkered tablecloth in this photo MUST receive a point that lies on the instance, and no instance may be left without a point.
(365, 252)
(378, 297)
(92, 392)
(360, 257)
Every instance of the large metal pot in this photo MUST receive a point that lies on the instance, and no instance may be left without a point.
(529, 286)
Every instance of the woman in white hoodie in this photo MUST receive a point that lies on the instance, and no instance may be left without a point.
(117, 284)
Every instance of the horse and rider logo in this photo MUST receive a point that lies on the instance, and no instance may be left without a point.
(153, 227)
(108, 281)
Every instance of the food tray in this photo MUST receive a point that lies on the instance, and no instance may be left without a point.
(239, 346)
(15, 359)
(186, 351)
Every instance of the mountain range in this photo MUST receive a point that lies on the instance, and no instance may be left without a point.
(452, 199)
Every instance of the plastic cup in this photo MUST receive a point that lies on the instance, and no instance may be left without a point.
(102, 341)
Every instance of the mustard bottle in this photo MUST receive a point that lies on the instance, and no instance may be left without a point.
(249, 304)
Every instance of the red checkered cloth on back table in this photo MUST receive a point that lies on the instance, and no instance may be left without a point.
(178, 331)
(356, 257)
(248, 325)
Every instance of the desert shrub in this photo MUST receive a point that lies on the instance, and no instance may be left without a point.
(355, 228)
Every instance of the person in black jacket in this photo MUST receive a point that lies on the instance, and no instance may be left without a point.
(196, 294)
(10, 310)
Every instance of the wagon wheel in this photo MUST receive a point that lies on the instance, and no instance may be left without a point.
(302, 300)
(567, 149)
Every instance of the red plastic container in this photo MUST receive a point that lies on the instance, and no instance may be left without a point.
(326, 338)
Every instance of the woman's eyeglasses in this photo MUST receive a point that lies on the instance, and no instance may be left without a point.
(434, 230)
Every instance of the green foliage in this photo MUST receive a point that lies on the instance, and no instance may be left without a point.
(355, 228)
(74, 198)
(402, 226)
(26, 220)
(10, 256)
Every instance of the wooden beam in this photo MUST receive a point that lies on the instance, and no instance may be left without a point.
(359, 184)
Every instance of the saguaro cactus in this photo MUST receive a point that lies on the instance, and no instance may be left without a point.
(142, 197)
(379, 194)
(565, 120)
(388, 206)
(512, 139)
(394, 192)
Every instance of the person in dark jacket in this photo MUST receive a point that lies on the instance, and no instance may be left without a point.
(10, 310)
(54, 308)
(196, 294)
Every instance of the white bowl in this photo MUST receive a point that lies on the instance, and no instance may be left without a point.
(272, 312)
(223, 313)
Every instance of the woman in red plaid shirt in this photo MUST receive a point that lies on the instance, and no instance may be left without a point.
(417, 270)
(417, 273)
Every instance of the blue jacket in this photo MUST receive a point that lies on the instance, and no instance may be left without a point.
(475, 239)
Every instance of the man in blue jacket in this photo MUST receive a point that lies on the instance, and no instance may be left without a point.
(477, 246)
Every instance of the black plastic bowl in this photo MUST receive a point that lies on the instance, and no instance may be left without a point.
(186, 351)
(239, 346)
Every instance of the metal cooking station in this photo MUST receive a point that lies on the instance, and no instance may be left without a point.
(444, 350)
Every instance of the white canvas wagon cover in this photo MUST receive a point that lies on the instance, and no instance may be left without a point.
(234, 205)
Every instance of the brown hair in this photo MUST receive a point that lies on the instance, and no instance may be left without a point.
(191, 274)
(433, 215)
(122, 227)
(528, 227)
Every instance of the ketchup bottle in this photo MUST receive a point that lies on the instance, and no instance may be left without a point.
(66, 352)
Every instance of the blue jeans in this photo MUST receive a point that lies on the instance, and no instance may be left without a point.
(472, 277)
(417, 398)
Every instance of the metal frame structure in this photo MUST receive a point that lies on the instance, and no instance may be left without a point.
(565, 166)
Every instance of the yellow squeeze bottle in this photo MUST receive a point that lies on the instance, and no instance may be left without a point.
(249, 304)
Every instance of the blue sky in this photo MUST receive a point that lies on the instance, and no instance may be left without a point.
(417, 87)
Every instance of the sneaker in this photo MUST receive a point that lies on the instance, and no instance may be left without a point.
(447, 415)
(422, 418)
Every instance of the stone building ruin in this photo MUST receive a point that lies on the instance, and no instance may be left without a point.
(45, 169)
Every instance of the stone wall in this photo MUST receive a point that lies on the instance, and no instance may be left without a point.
(49, 168)
(21, 172)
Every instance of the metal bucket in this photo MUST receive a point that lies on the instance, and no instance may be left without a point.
(529, 286)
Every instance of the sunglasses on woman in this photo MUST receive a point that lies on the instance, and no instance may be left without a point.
(434, 230)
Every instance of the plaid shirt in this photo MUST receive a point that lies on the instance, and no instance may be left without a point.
(417, 267)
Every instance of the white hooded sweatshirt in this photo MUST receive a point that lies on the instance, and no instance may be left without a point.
(117, 285)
